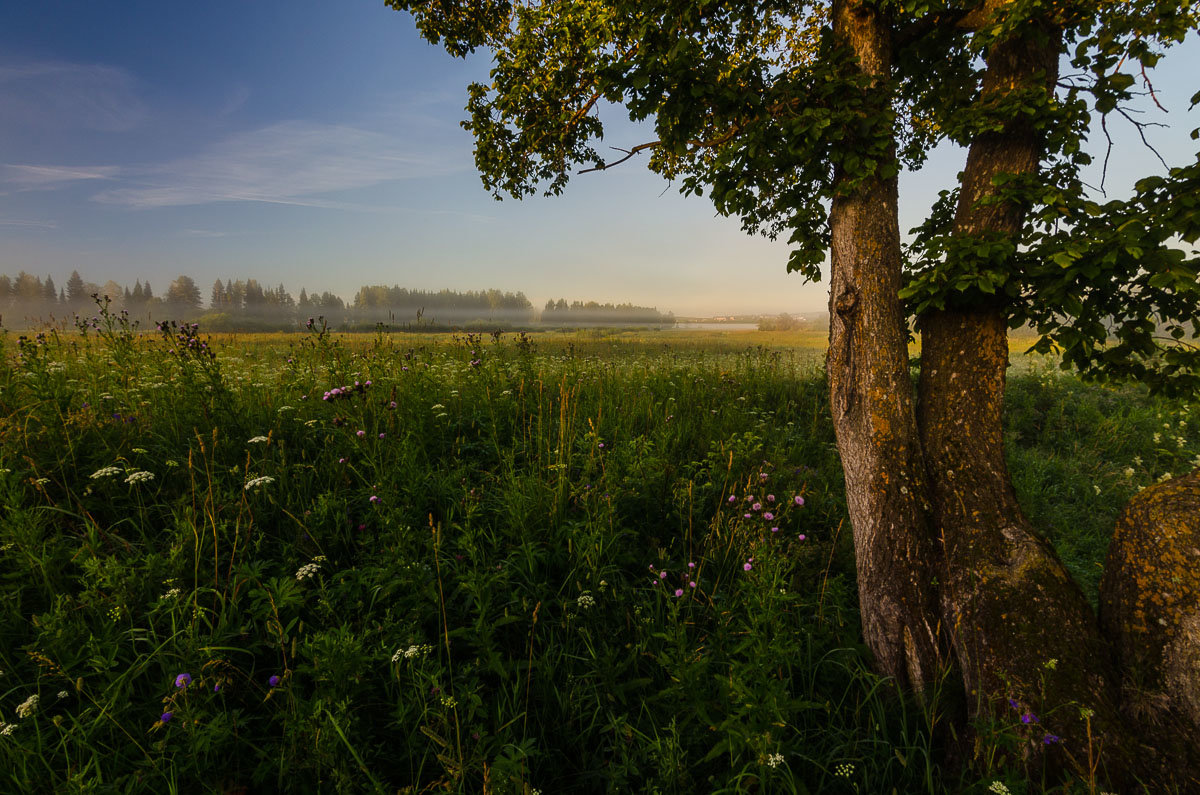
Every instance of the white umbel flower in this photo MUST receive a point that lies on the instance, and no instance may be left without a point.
(28, 706)
(106, 472)
(262, 480)
(139, 477)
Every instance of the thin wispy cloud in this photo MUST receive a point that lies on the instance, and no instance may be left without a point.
(291, 162)
(29, 177)
(62, 95)
(27, 223)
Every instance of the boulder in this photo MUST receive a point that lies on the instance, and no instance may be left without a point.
(1150, 612)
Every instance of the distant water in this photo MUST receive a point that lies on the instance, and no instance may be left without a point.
(717, 326)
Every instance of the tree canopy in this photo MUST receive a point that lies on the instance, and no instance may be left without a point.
(752, 104)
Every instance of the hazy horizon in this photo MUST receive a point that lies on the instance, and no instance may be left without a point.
(322, 149)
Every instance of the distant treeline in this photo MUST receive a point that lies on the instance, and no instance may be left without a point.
(249, 305)
(591, 313)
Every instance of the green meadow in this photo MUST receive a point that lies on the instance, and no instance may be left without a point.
(600, 561)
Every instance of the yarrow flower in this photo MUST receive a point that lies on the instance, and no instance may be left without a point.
(139, 477)
(171, 594)
(257, 440)
(585, 601)
(775, 760)
(183, 680)
(262, 480)
(308, 570)
(106, 472)
(999, 788)
(28, 706)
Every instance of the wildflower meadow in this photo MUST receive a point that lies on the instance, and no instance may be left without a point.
(509, 563)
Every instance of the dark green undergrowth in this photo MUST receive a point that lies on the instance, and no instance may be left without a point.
(485, 564)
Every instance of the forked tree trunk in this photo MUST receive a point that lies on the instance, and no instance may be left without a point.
(1026, 639)
(872, 401)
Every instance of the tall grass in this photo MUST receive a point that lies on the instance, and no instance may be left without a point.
(483, 563)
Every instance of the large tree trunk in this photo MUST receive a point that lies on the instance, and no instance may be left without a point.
(872, 401)
(1025, 637)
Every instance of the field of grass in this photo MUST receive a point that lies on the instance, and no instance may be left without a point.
(596, 562)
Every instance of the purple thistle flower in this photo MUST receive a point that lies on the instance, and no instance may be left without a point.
(774, 529)
(166, 716)
(375, 499)
(747, 566)
(392, 405)
(763, 476)
(757, 506)
(768, 516)
(273, 681)
(341, 460)
(770, 498)
(679, 592)
(799, 500)
(360, 434)
(691, 565)
(733, 498)
(747, 516)
(183, 680)
(802, 536)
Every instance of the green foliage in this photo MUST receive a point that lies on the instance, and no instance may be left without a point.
(505, 608)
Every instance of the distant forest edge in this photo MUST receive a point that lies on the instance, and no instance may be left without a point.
(28, 300)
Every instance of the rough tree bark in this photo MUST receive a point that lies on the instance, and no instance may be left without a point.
(1025, 637)
(872, 401)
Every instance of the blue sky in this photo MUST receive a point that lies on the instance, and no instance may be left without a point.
(317, 144)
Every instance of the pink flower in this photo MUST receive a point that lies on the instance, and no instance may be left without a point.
(733, 498)
(691, 585)
(360, 434)
(679, 592)
(799, 500)
(774, 529)
(802, 536)
(757, 506)
(747, 566)
(768, 516)
(770, 498)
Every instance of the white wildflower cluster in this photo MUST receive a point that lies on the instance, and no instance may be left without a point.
(308, 570)
(139, 477)
(28, 706)
(410, 652)
(6, 729)
(257, 440)
(171, 594)
(774, 760)
(42, 481)
(999, 788)
(62, 694)
(262, 480)
(585, 601)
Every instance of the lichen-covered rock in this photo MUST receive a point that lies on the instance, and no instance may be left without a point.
(1150, 612)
